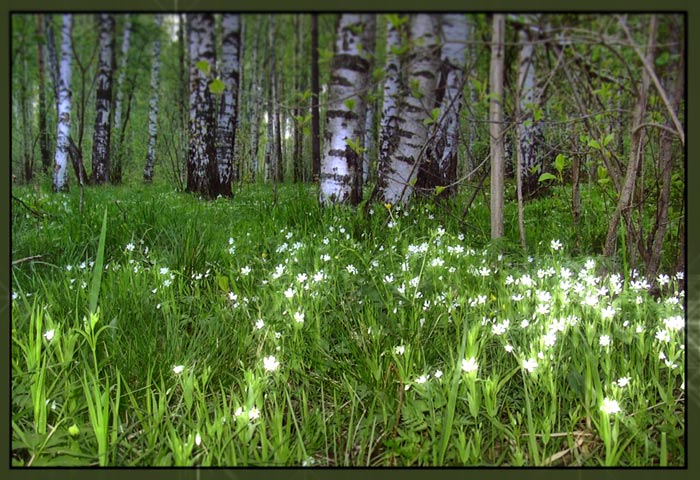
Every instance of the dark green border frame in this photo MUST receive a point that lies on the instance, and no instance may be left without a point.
(693, 255)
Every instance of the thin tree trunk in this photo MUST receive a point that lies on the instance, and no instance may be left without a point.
(636, 152)
(297, 161)
(43, 129)
(103, 101)
(28, 167)
(116, 173)
(52, 58)
(153, 105)
(496, 128)
(369, 140)
(60, 173)
(315, 90)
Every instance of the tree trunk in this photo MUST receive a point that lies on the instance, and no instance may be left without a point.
(52, 58)
(297, 159)
(624, 203)
(228, 109)
(439, 170)
(345, 114)
(60, 172)
(315, 116)
(103, 101)
(201, 161)
(528, 131)
(369, 140)
(43, 129)
(153, 105)
(270, 150)
(116, 171)
(394, 86)
(25, 106)
(496, 128)
(400, 172)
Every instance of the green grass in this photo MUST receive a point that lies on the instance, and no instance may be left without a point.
(371, 321)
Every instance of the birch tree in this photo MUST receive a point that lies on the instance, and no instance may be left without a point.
(202, 150)
(399, 174)
(496, 124)
(153, 105)
(43, 129)
(116, 171)
(439, 171)
(345, 115)
(103, 102)
(228, 110)
(60, 172)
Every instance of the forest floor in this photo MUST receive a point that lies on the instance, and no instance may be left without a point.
(154, 328)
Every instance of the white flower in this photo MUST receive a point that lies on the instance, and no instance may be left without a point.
(253, 413)
(555, 244)
(299, 317)
(270, 363)
(198, 439)
(608, 312)
(164, 270)
(422, 379)
(509, 348)
(622, 382)
(663, 336)
(610, 407)
(48, 335)
(550, 339)
(245, 270)
(590, 264)
(289, 293)
(604, 340)
(301, 277)
(178, 369)
(238, 412)
(663, 279)
(438, 374)
(530, 365)
(388, 278)
(470, 365)
(351, 269)
(130, 247)
(259, 324)
(674, 323)
(399, 350)
(525, 323)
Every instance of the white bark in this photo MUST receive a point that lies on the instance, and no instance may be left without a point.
(340, 162)
(153, 104)
(393, 82)
(202, 150)
(126, 41)
(230, 71)
(103, 101)
(402, 171)
(60, 174)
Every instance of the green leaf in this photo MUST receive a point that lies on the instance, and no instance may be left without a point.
(602, 172)
(663, 59)
(439, 189)
(608, 138)
(350, 103)
(593, 143)
(204, 67)
(434, 116)
(217, 86)
(222, 281)
(546, 176)
(559, 163)
(97, 270)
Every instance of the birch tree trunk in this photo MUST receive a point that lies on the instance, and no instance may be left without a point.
(228, 109)
(345, 115)
(201, 160)
(401, 171)
(103, 102)
(528, 129)
(52, 58)
(440, 168)
(60, 172)
(153, 105)
(369, 140)
(116, 172)
(496, 128)
(394, 86)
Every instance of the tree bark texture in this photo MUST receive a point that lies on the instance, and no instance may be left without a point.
(60, 172)
(496, 128)
(315, 98)
(116, 171)
(103, 101)
(400, 173)
(345, 114)
(153, 105)
(201, 160)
